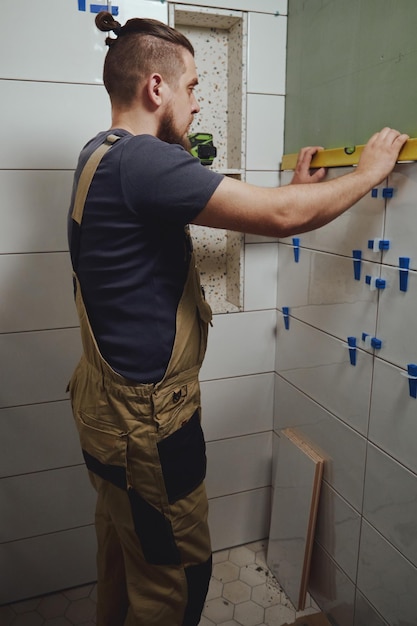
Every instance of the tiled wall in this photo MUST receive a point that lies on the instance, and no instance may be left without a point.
(52, 102)
(361, 416)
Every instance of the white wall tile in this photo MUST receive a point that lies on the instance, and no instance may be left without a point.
(262, 6)
(400, 223)
(141, 8)
(238, 464)
(43, 502)
(261, 179)
(396, 318)
(237, 406)
(365, 614)
(321, 290)
(386, 578)
(275, 452)
(72, 50)
(318, 364)
(41, 565)
(36, 292)
(50, 136)
(390, 501)
(353, 229)
(239, 518)
(240, 344)
(343, 448)
(393, 424)
(33, 210)
(38, 437)
(329, 586)
(261, 273)
(338, 530)
(267, 53)
(39, 365)
(265, 131)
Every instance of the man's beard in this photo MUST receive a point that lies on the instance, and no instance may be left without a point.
(168, 133)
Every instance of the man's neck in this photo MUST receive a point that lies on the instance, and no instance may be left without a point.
(135, 122)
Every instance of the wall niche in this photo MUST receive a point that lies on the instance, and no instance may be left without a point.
(219, 38)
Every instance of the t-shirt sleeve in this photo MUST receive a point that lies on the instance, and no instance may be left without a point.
(162, 181)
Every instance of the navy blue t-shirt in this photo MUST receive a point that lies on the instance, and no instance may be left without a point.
(130, 253)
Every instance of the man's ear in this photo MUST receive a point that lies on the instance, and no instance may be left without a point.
(155, 88)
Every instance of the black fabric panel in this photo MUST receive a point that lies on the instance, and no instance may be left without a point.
(154, 532)
(115, 474)
(183, 459)
(198, 578)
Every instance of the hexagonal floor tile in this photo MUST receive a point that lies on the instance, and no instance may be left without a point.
(242, 556)
(249, 614)
(80, 611)
(215, 589)
(226, 572)
(220, 556)
(206, 622)
(277, 615)
(236, 592)
(28, 619)
(218, 610)
(265, 595)
(53, 606)
(253, 574)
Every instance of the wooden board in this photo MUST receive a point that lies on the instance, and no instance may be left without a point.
(294, 511)
(316, 619)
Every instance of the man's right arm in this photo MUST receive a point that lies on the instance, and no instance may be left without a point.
(297, 208)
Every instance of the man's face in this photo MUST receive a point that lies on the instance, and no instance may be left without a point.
(179, 111)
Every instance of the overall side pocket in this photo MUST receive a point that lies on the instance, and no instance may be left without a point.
(183, 459)
(104, 448)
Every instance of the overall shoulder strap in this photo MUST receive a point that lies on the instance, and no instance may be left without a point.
(86, 177)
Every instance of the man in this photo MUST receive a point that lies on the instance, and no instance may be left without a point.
(143, 318)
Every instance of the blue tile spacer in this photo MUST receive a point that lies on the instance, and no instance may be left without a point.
(388, 192)
(404, 265)
(376, 343)
(374, 193)
(96, 8)
(296, 245)
(378, 244)
(286, 314)
(357, 261)
(371, 342)
(352, 349)
(412, 379)
(375, 283)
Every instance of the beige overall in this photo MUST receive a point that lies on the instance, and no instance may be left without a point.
(145, 451)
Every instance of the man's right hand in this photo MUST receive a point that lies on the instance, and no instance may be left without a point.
(381, 153)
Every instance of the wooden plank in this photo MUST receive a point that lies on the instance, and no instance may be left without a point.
(294, 512)
(316, 619)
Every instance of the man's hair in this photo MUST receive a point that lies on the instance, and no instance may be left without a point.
(141, 46)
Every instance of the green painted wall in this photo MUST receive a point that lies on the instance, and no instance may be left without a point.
(352, 69)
